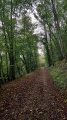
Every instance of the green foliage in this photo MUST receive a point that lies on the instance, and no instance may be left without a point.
(20, 53)
(53, 17)
(18, 44)
(41, 61)
(59, 75)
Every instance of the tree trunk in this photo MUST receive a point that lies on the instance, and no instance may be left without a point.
(58, 30)
(47, 48)
(51, 48)
(3, 24)
(12, 61)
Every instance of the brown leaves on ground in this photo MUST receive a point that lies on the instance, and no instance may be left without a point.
(33, 97)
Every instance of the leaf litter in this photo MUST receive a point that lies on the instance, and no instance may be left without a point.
(32, 97)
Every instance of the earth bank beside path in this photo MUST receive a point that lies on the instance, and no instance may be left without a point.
(33, 97)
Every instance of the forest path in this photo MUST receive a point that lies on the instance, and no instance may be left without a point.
(33, 97)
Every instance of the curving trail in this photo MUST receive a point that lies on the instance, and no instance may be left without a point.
(33, 97)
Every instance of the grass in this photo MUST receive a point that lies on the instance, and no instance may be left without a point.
(59, 75)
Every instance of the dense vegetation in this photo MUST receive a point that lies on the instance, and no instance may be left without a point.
(59, 75)
(18, 43)
(52, 15)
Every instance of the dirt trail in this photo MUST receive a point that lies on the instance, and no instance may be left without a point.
(34, 98)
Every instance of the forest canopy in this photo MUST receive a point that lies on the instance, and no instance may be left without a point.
(18, 43)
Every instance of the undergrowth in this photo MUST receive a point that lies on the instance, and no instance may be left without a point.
(59, 75)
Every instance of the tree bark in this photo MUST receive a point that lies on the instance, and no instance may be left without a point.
(58, 30)
(47, 48)
(12, 60)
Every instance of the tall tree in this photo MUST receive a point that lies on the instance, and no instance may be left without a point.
(58, 29)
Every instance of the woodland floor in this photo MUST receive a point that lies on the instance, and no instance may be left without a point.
(32, 97)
